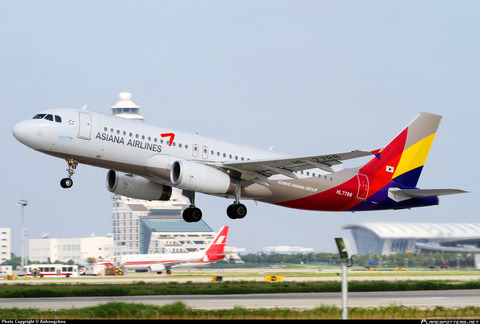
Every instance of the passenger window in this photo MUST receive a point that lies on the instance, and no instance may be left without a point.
(58, 119)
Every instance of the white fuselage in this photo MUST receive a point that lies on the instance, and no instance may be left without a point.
(124, 145)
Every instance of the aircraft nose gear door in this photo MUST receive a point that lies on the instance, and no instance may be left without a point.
(362, 187)
(85, 126)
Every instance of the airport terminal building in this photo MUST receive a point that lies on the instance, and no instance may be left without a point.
(392, 238)
(5, 245)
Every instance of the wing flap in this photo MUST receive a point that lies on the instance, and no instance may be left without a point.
(263, 169)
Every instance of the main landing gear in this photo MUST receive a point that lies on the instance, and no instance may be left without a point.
(68, 182)
(194, 214)
(237, 210)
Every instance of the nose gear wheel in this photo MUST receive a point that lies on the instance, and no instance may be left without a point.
(68, 182)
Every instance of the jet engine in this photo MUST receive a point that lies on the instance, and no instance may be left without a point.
(199, 177)
(157, 267)
(136, 187)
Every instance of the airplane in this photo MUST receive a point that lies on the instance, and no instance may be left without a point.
(165, 262)
(146, 161)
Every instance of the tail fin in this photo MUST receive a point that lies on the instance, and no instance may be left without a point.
(402, 160)
(216, 249)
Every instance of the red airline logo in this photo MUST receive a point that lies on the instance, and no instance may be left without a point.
(171, 135)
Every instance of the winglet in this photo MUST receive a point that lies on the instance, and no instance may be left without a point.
(377, 153)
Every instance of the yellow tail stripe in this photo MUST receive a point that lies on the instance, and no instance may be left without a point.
(414, 156)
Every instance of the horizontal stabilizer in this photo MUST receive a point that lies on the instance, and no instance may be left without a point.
(398, 194)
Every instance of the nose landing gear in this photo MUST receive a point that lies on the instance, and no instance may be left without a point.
(68, 182)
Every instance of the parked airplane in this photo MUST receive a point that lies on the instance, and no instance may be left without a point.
(164, 262)
(146, 161)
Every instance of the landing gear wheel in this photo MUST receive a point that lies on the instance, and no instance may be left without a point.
(235, 211)
(66, 183)
(192, 214)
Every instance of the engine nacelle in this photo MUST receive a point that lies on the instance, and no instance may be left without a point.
(136, 187)
(157, 267)
(190, 175)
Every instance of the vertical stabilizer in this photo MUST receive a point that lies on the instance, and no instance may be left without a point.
(216, 249)
(402, 160)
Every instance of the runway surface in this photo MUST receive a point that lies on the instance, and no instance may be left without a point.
(446, 298)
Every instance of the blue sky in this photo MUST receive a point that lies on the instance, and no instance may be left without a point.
(308, 77)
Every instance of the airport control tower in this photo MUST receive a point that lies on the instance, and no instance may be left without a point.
(126, 108)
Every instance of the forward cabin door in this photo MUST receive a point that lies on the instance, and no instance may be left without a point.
(85, 126)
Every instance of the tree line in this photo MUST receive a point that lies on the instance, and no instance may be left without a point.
(404, 260)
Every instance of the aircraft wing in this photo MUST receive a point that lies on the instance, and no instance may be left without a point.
(263, 169)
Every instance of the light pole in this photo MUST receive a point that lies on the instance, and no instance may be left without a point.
(22, 203)
(345, 251)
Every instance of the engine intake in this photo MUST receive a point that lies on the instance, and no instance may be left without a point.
(190, 175)
(136, 187)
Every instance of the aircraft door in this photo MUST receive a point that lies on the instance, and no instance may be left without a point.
(195, 150)
(362, 187)
(85, 125)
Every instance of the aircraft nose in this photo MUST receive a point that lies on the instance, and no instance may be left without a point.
(18, 130)
(23, 131)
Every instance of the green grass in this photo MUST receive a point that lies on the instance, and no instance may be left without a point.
(179, 310)
(225, 287)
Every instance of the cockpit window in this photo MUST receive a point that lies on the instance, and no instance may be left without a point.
(39, 116)
(49, 117)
